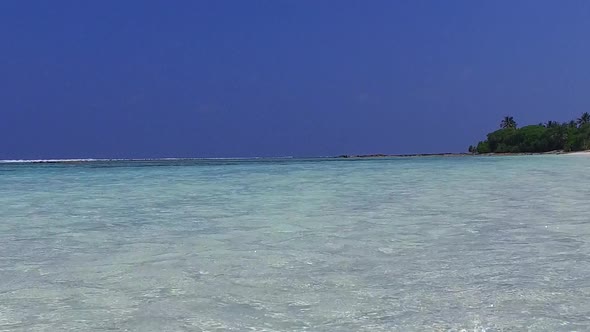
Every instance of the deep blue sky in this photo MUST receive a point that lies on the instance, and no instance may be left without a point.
(219, 78)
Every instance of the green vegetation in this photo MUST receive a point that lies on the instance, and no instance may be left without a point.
(551, 136)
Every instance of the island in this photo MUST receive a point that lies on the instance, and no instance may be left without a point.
(549, 137)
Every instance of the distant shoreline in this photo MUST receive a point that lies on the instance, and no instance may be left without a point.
(360, 156)
(451, 154)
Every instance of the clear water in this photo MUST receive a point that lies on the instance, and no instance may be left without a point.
(416, 244)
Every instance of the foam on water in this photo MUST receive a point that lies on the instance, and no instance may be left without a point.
(33, 161)
(88, 160)
(405, 244)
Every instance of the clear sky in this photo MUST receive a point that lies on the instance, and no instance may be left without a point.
(220, 78)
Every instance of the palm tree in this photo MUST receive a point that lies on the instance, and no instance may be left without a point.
(584, 119)
(551, 124)
(508, 122)
(572, 124)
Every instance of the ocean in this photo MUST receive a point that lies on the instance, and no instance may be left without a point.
(387, 244)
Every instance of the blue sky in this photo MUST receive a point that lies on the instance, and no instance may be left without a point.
(132, 79)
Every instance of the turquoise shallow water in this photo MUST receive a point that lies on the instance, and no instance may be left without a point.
(415, 244)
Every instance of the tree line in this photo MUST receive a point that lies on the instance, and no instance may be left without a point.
(543, 137)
